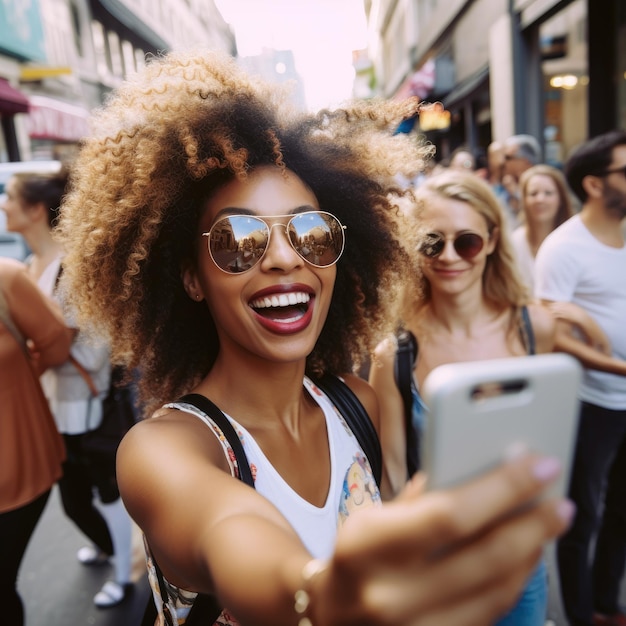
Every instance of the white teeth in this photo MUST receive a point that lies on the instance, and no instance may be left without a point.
(283, 299)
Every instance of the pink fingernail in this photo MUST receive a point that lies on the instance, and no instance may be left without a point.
(547, 468)
(566, 510)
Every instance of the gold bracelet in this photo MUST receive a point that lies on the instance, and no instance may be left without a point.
(302, 598)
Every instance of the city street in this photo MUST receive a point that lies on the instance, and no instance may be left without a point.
(58, 590)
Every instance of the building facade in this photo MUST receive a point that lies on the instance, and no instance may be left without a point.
(553, 68)
(60, 58)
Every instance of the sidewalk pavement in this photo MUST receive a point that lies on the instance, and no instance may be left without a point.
(58, 591)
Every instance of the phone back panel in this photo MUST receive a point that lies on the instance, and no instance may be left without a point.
(479, 410)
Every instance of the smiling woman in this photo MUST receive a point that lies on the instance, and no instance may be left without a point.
(205, 230)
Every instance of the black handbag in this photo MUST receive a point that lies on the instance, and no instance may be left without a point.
(118, 415)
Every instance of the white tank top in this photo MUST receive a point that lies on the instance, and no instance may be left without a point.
(352, 486)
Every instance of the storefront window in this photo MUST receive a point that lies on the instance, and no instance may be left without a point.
(566, 76)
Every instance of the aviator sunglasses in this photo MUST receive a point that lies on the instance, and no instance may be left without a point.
(238, 242)
(467, 245)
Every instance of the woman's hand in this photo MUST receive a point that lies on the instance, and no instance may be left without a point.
(450, 557)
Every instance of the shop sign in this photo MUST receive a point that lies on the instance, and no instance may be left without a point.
(21, 30)
(434, 117)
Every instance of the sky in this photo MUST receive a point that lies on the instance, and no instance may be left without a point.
(321, 33)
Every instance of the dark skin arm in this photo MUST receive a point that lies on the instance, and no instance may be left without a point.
(413, 557)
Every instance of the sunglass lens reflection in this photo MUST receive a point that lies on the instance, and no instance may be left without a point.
(238, 242)
(317, 238)
(467, 245)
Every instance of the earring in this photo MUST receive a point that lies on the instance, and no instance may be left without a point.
(198, 297)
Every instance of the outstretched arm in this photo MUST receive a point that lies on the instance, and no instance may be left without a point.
(409, 562)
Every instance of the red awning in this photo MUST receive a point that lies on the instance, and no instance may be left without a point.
(57, 120)
(11, 100)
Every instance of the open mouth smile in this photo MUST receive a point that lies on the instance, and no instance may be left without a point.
(284, 312)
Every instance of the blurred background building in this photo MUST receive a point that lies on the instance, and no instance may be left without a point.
(553, 68)
(60, 58)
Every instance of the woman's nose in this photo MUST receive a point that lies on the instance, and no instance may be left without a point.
(449, 251)
(280, 254)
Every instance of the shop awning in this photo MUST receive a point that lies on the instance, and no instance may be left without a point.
(467, 87)
(56, 120)
(11, 99)
(120, 11)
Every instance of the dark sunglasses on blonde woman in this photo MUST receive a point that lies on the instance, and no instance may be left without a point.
(238, 242)
(466, 245)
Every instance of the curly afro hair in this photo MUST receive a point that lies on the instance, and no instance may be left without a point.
(165, 141)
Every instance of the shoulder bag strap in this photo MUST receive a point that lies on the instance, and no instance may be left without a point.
(206, 609)
(85, 375)
(406, 354)
(527, 331)
(357, 419)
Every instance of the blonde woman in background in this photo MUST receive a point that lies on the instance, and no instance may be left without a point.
(469, 305)
(546, 204)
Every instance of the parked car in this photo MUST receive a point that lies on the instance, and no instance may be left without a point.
(12, 244)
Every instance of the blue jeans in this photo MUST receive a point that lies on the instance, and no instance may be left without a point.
(532, 606)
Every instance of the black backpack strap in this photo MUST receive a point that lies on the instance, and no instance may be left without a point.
(357, 419)
(205, 609)
(528, 334)
(206, 406)
(406, 354)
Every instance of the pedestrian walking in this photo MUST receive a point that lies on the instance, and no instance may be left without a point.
(75, 391)
(583, 262)
(33, 337)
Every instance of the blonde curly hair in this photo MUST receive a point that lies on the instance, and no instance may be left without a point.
(164, 142)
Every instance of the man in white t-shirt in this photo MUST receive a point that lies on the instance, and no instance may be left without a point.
(584, 262)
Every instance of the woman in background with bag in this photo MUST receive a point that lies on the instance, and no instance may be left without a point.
(75, 390)
(31, 449)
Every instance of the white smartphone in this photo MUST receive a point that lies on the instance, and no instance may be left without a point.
(479, 411)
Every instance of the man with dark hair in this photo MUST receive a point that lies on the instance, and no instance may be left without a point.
(584, 262)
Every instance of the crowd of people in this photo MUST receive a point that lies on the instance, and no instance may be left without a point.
(143, 260)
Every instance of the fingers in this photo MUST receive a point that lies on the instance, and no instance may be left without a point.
(443, 518)
(428, 526)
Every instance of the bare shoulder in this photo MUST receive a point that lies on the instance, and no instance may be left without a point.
(544, 327)
(161, 453)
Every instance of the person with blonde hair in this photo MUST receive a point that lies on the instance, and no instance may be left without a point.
(467, 303)
(546, 204)
(243, 251)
